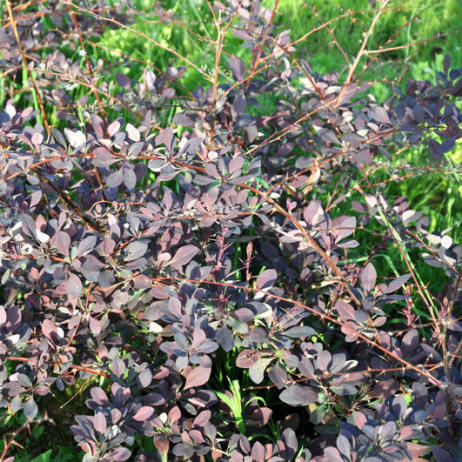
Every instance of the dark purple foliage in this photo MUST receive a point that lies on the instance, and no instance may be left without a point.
(156, 257)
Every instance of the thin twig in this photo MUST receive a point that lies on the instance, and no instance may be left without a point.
(29, 71)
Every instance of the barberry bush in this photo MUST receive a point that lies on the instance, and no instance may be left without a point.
(207, 259)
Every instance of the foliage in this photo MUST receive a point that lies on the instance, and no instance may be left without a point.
(210, 260)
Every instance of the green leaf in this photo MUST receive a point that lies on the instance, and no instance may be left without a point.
(235, 404)
(44, 457)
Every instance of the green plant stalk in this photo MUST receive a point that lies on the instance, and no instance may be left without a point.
(36, 103)
(235, 404)
(407, 259)
(2, 90)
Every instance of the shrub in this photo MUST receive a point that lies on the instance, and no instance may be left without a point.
(212, 276)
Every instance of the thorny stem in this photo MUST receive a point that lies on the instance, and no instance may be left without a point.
(218, 51)
(335, 320)
(93, 89)
(310, 240)
(25, 426)
(155, 42)
(72, 366)
(362, 48)
(331, 33)
(449, 393)
(29, 71)
(340, 373)
(408, 261)
(256, 62)
(221, 34)
(89, 66)
(68, 200)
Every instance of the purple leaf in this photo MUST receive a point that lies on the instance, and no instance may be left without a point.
(300, 332)
(77, 139)
(129, 178)
(202, 419)
(333, 455)
(257, 370)
(113, 128)
(183, 450)
(447, 145)
(115, 179)
(166, 137)
(441, 455)
(86, 245)
(446, 63)
(225, 338)
(345, 310)
(397, 283)
(348, 225)
(135, 250)
(344, 389)
(145, 378)
(183, 256)
(99, 396)
(243, 314)
(95, 325)
(123, 81)
(49, 329)
(118, 367)
(388, 431)
(62, 242)
(267, 279)
(298, 395)
(278, 376)
(133, 133)
(344, 446)
(106, 247)
(74, 285)
(247, 358)
(30, 409)
(91, 268)
(314, 213)
(289, 439)
(434, 150)
(368, 278)
(197, 377)
(237, 67)
(35, 198)
(143, 413)
(98, 125)
(380, 115)
(323, 360)
(410, 341)
(149, 79)
(162, 444)
(103, 157)
(240, 33)
(99, 422)
(237, 108)
(359, 207)
(174, 415)
(120, 454)
(258, 452)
